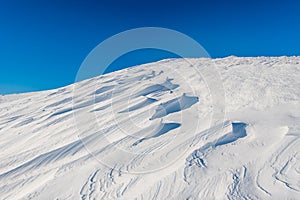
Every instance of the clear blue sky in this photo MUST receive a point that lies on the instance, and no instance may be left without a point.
(43, 42)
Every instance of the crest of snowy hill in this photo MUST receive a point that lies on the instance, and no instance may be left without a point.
(173, 129)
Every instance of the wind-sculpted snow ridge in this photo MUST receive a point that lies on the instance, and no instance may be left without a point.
(158, 131)
(174, 105)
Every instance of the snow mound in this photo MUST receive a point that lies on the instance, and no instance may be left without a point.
(158, 131)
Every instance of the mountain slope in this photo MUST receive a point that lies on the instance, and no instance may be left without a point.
(164, 130)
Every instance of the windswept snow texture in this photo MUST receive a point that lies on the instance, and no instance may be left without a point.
(140, 105)
(162, 129)
(148, 132)
(174, 105)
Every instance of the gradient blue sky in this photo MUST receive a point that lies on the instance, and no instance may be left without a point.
(43, 42)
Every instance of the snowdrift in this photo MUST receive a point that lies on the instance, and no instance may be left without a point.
(158, 131)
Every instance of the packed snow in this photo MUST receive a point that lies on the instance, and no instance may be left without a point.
(163, 130)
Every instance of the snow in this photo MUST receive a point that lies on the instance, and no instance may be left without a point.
(158, 131)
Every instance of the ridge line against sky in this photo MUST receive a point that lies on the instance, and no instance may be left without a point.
(43, 43)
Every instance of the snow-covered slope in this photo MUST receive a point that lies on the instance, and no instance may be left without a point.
(158, 131)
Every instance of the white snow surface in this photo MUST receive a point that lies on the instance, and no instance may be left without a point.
(149, 132)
